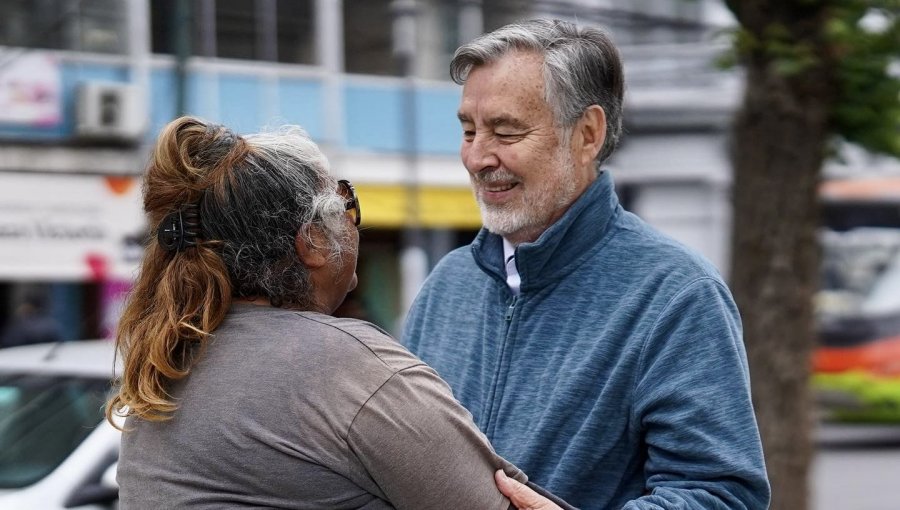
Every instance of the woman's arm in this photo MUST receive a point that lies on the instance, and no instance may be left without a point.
(422, 448)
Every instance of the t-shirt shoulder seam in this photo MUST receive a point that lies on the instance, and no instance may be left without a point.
(372, 395)
(358, 340)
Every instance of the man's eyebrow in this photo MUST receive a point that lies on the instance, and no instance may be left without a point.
(500, 120)
(506, 120)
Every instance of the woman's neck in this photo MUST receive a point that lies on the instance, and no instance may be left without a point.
(266, 302)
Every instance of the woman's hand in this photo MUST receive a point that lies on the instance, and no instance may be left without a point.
(520, 495)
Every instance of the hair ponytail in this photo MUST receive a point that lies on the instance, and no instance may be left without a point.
(181, 296)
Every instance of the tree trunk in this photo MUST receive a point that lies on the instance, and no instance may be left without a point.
(779, 143)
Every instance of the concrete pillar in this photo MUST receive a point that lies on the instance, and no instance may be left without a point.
(330, 56)
(138, 31)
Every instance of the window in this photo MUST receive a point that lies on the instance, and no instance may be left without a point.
(296, 32)
(369, 44)
(270, 30)
(165, 17)
(34, 24)
(504, 12)
(368, 48)
(42, 420)
(236, 29)
(101, 26)
(96, 26)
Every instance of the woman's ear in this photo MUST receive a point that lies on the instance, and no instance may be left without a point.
(592, 134)
(309, 242)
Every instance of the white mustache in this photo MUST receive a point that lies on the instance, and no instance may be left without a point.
(492, 176)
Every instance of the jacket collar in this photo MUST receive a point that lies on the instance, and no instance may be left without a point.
(562, 247)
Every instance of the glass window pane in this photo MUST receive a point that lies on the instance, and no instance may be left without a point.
(96, 26)
(42, 420)
(101, 26)
(503, 12)
(296, 31)
(162, 21)
(367, 37)
(236, 29)
(50, 24)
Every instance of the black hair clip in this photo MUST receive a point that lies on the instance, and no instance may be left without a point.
(179, 229)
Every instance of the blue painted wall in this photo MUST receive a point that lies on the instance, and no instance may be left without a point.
(373, 117)
(301, 102)
(438, 127)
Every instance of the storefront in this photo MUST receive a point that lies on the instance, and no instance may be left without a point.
(72, 242)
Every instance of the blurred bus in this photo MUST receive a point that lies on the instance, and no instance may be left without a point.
(856, 365)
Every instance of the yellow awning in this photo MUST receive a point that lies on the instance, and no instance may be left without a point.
(437, 207)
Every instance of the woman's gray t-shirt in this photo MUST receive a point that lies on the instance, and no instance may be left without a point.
(289, 409)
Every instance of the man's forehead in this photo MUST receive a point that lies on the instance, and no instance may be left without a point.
(515, 66)
(510, 76)
(517, 108)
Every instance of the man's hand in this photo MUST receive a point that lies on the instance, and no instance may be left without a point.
(520, 495)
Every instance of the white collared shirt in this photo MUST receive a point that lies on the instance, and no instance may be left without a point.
(513, 280)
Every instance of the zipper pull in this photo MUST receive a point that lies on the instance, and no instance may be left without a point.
(512, 306)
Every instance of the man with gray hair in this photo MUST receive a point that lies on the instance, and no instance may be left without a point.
(598, 355)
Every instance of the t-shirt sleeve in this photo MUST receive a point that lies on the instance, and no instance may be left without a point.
(422, 448)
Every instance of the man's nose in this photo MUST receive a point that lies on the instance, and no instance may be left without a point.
(479, 154)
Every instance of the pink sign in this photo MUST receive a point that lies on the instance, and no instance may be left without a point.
(31, 90)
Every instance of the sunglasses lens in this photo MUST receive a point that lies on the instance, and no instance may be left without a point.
(346, 190)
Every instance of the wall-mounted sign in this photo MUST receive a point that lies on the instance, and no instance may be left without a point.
(69, 227)
(30, 90)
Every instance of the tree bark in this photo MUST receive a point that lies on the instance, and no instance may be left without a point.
(779, 141)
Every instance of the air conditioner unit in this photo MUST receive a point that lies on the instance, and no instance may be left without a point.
(109, 111)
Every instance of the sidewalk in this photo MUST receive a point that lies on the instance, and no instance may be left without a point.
(856, 467)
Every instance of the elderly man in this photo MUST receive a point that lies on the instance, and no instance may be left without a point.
(598, 355)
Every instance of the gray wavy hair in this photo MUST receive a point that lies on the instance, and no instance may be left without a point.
(279, 188)
(581, 68)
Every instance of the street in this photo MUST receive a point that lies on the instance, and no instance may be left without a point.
(857, 467)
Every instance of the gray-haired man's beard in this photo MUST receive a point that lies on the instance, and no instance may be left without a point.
(533, 208)
(503, 219)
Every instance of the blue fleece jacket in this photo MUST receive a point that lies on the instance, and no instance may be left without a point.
(616, 379)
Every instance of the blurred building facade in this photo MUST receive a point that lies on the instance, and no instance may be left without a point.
(86, 85)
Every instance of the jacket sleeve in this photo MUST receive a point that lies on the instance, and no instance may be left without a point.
(692, 401)
(412, 323)
(423, 450)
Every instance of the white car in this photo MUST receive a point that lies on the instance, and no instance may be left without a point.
(56, 449)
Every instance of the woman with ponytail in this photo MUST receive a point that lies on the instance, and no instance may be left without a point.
(239, 387)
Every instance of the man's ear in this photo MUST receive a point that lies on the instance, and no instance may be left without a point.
(309, 243)
(591, 134)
